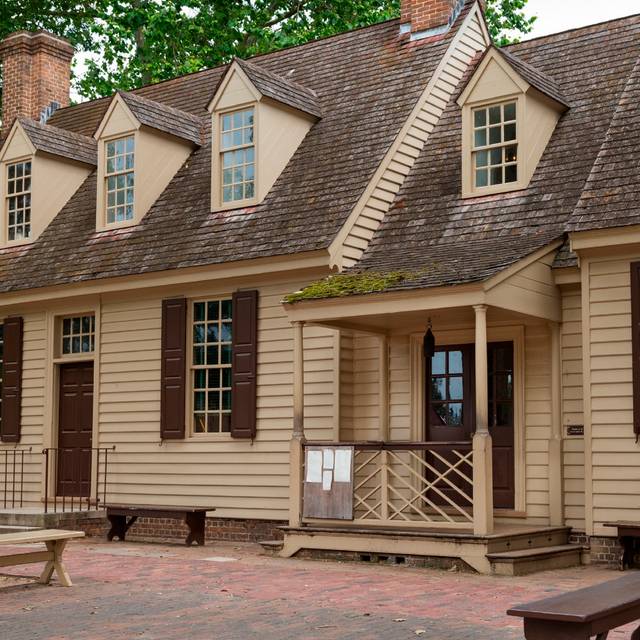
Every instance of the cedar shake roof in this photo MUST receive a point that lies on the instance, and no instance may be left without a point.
(367, 81)
(60, 142)
(611, 197)
(164, 118)
(278, 88)
(442, 239)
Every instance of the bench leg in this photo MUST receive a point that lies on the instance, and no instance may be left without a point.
(56, 547)
(195, 522)
(120, 526)
(636, 634)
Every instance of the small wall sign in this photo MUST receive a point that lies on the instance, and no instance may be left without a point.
(575, 430)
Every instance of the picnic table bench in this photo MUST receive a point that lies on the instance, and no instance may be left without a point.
(582, 614)
(628, 533)
(55, 541)
(122, 517)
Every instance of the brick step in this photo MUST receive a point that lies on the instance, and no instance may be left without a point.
(526, 561)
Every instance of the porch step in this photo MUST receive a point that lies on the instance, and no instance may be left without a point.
(271, 547)
(526, 561)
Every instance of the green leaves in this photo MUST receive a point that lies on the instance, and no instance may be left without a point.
(134, 42)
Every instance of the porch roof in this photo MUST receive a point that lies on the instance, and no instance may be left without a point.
(525, 290)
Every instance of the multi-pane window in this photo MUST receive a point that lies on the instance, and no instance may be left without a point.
(19, 200)
(237, 150)
(78, 334)
(495, 146)
(119, 179)
(211, 366)
(447, 386)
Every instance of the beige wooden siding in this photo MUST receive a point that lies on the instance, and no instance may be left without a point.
(240, 478)
(537, 421)
(572, 406)
(400, 389)
(381, 192)
(615, 455)
(33, 411)
(366, 388)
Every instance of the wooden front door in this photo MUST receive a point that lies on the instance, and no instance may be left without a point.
(450, 409)
(75, 425)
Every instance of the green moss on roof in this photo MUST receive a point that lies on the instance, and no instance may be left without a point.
(348, 284)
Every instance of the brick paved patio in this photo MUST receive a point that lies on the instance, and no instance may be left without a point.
(229, 592)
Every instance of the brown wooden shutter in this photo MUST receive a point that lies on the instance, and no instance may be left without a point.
(12, 380)
(174, 369)
(245, 345)
(635, 340)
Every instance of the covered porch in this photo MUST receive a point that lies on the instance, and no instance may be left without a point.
(438, 442)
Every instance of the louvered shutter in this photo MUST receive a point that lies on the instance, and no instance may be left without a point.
(12, 380)
(635, 340)
(245, 344)
(173, 369)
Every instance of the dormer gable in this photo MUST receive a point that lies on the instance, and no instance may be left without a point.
(258, 121)
(141, 144)
(41, 167)
(510, 109)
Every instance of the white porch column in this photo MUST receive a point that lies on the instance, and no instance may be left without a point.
(556, 506)
(384, 387)
(482, 446)
(296, 450)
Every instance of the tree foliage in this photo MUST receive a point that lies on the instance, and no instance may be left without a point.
(134, 42)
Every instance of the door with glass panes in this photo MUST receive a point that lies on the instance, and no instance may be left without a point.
(450, 412)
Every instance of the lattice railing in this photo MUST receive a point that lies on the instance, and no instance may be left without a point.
(414, 484)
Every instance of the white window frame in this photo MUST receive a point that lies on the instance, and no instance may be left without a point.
(24, 193)
(116, 173)
(62, 335)
(243, 147)
(192, 368)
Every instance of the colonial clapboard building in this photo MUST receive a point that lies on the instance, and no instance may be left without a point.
(383, 288)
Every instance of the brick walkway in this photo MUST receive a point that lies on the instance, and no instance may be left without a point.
(230, 592)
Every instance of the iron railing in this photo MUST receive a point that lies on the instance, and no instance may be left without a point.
(68, 486)
(13, 476)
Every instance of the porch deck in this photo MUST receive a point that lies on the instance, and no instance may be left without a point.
(511, 549)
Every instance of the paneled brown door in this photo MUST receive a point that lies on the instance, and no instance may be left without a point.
(75, 423)
(450, 411)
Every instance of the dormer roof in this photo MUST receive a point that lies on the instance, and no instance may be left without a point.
(531, 75)
(60, 142)
(162, 117)
(274, 86)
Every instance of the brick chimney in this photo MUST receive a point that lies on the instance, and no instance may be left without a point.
(424, 18)
(36, 72)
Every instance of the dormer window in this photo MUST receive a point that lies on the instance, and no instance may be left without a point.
(119, 179)
(495, 145)
(18, 204)
(237, 154)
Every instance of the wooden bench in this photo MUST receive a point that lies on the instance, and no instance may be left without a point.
(628, 533)
(585, 613)
(55, 541)
(122, 517)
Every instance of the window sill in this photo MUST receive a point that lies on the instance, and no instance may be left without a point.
(512, 187)
(237, 204)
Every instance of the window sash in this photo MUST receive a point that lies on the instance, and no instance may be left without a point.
(237, 159)
(18, 200)
(77, 334)
(211, 323)
(119, 179)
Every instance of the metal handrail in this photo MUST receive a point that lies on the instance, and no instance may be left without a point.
(14, 460)
(52, 458)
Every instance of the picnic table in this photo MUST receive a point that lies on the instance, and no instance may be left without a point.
(123, 516)
(585, 613)
(55, 541)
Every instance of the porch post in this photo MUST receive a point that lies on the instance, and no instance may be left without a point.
(383, 365)
(482, 446)
(296, 451)
(556, 506)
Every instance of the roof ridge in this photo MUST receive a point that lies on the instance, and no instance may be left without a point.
(150, 101)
